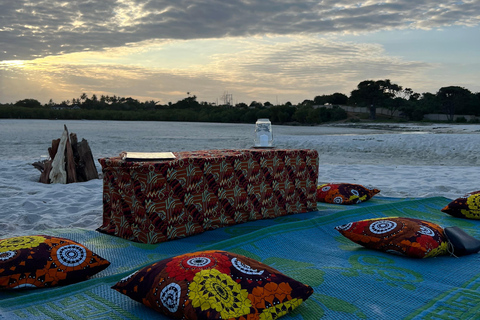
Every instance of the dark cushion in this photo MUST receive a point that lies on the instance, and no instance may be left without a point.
(214, 285)
(462, 243)
(406, 236)
(344, 193)
(467, 206)
(43, 261)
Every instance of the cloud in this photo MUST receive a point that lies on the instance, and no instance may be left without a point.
(31, 29)
(278, 69)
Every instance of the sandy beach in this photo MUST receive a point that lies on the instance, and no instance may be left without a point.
(407, 160)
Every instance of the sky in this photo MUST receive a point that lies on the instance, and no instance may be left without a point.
(252, 50)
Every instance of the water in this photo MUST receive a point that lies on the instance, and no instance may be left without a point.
(30, 139)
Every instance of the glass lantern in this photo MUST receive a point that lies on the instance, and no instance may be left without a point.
(263, 134)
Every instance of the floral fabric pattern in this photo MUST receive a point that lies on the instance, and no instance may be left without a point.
(153, 202)
(214, 285)
(467, 206)
(344, 193)
(405, 236)
(44, 261)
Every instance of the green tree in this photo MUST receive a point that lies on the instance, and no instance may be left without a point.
(451, 98)
(302, 113)
(338, 99)
(255, 104)
(28, 103)
(371, 94)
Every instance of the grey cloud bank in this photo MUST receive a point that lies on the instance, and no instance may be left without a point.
(32, 29)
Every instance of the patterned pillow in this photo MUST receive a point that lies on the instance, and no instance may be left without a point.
(467, 206)
(344, 193)
(406, 236)
(44, 261)
(214, 285)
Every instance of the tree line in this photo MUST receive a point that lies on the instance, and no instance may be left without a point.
(452, 100)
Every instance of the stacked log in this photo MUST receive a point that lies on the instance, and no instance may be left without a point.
(70, 161)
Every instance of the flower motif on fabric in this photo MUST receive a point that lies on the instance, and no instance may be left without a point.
(280, 309)
(25, 286)
(271, 294)
(356, 197)
(344, 226)
(338, 200)
(240, 266)
(7, 255)
(383, 226)
(71, 255)
(130, 276)
(185, 267)
(426, 231)
(211, 289)
(170, 297)
(325, 188)
(473, 202)
(18, 243)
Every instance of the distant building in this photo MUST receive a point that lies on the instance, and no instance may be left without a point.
(64, 106)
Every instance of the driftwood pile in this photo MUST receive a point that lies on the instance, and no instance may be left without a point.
(70, 161)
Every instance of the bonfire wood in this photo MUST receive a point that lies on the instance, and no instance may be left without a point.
(70, 161)
(52, 151)
(58, 174)
(86, 161)
(40, 165)
(44, 176)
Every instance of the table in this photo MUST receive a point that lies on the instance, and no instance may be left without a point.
(156, 201)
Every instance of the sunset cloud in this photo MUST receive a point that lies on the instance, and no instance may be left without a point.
(33, 29)
(282, 50)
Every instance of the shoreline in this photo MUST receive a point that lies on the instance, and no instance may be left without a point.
(442, 161)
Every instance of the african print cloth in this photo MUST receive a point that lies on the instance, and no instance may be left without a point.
(350, 282)
(152, 202)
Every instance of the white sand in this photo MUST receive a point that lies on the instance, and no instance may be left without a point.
(400, 160)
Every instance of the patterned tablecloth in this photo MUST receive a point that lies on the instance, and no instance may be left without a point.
(153, 202)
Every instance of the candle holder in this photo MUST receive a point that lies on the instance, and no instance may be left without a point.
(263, 134)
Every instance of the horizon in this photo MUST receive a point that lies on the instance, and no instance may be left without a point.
(252, 50)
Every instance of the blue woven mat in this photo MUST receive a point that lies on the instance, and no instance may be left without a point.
(350, 282)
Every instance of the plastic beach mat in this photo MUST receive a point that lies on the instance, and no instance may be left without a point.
(349, 281)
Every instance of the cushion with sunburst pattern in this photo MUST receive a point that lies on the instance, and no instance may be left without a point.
(214, 285)
(44, 261)
(405, 236)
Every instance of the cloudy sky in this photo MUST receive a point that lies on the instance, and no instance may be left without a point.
(256, 50)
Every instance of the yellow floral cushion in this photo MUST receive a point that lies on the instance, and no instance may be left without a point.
(214, 285)
(404, 236)
(467, 206)
(43, 261)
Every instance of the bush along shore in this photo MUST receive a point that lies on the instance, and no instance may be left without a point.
(193, 112)
(401, 103)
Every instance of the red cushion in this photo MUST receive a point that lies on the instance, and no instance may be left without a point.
(467, 206)
(44, 261)
(344, 193)
(406, 236)
(214, 285)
